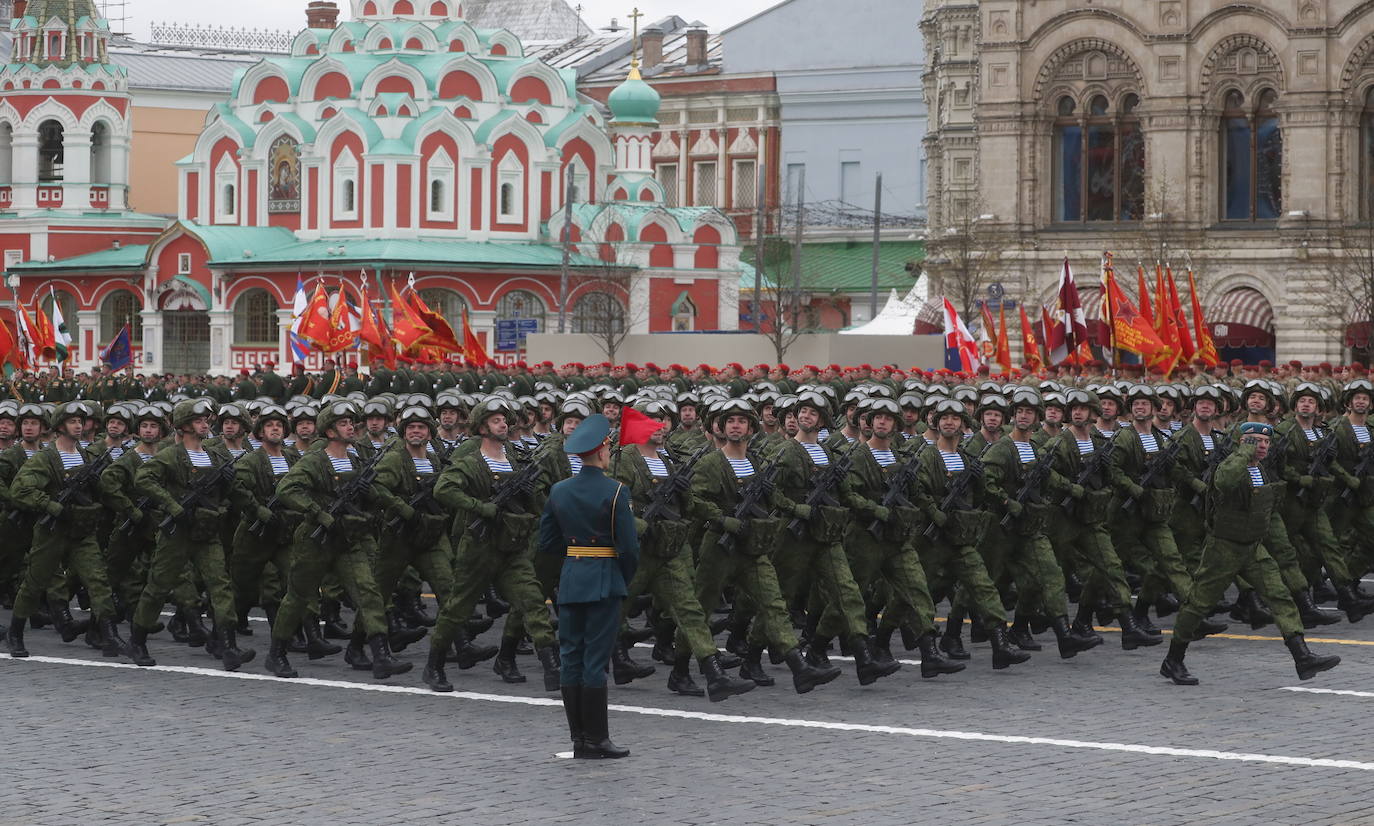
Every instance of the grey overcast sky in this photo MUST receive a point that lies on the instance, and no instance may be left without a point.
(290, 14)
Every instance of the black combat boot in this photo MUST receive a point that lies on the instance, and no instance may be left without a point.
(505, 661)
(334, 626)
(806, 676)
(1307, 663)
(932, 664)
(356, 652)
(664, 631)
(1251, 610)
(495, 606)
(411, 607)
(1069, 642)
(1020, 636)
(316, 646)
(1166, 604)
(383, 664)
(245, 627)
(276, 662)
(467, 653)
(1132, 637)
(137, 649)
(14, 638)
(866, 665)
(572, 707)
(197, 634)
(951, 641)
(624, 669)
(882, 644)
(817, 651)
(752, 667)
(1312, 616)
(642, 634)
(230, 654)
(94, 638)
(398, 636)
(69, 627)
(1083, 622)
(478, 625)
(680, 678)
(1349, 602)
(1141, 612)
(1003, 652)
(597, 743)
(111, 644)
(434, 675)
(1207, 627)
(1173, 666)
(720, 685)
(548, 658)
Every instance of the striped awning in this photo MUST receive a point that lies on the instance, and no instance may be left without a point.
(1242, 318)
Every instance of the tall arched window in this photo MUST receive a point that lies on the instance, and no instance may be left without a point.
(51, 140)
(1367, 138)
(255, 318)
(1099, 160)
(100, 153)
(521, 304)
(119, 308)
(448, 304)
(1251, 158)
(599, 314)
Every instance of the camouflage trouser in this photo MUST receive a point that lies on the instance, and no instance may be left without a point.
(348, 559)
(754, 579)
(479, 564)
(1222, 562)
(824, 567)
(946, 564)
(1031, 563)
(168, 573)
(1317, 548)
(1089, 550)
(897, 568)
(50, 552)
(670, 583)
(399, 558)
(1150, 548)
(259, 567)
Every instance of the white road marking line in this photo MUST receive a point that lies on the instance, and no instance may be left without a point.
(1341, 691)
(865, 728)
(839, 657)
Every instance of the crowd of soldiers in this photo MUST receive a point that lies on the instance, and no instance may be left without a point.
(797, 512)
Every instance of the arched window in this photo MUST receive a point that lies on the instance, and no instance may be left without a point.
(100, 153)
(1367, 129)
(51, 139)
(1251, 158)
(448, 304)
(120, 308)
(598, 314)
(6, 153)
(1099, 160)
(521, 304)
(684, 314)
(436, 196)
(255, 318)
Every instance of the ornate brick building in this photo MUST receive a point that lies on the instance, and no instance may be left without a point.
(1238, 133)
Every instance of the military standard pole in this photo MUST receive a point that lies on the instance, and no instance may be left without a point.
(877, 241)
(797, 249)
(567, 252)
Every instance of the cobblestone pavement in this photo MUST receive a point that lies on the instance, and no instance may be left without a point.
(1097, 739)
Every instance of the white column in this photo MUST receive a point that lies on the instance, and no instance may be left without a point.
(723, 141)
(25, 177)
(152, 341)
(388, 195)
(221, 339)
(727, 302)
(639, 303)
(87, 321)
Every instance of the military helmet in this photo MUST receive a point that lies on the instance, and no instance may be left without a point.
(119, 410)
(911, 400)
(1306, 388)
(1356, 386)
(659, 410)
(304, 412)
(9, 409)
(270, 413)
(1027, 397)
(950, 407)
(69, 410)
(735, 407)
(1055, 398)
(449, 401)
(965, 393)
(882, 405)
(187, 411)
(149, 413)
(330, 414)
(1076, 398)
(1141, 391)
(572, 408)
(992, 401)
(813, 399)
(493, 406)
(1209, 391)
(416, 414)
(234, 410)
(377, 407)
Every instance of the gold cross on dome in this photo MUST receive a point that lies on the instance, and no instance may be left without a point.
(634, 38)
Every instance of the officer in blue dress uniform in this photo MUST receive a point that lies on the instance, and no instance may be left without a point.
(587, 521)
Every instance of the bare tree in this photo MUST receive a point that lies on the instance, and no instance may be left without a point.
(784, 317)
(962, 256)
(604, 308)
(1347, 296)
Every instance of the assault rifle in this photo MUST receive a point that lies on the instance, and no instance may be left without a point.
(202, 485)
(1100, 459)
(664, 502)
(1156, 467)
(973, 468)
(77, 484)
(142, 506)
(824, 485)
(352, 489)
(1322, 455)
(897, 486)
(1034, 481)
(1362, 469)
(521, 482)
(426, 489)
(1221, 448)
(754, 492)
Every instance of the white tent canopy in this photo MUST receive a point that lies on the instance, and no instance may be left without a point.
(898, 317)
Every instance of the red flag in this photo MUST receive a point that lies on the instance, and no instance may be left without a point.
(406, 328)
(1165, 321)
(45, 339)
(636, 428)
(8, 344)
(1185, 340)
(1030, 347)
(371, 331)
(1145, 301)
(1206, 348)
(1054, 331)
(313, 325)
(473, 350)
(341, 333)
(1071, 332)
(1134, 332)
(1003, 345)
(987, 337)
(441, 335)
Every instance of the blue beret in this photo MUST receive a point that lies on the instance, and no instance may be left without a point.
(589, 435)
(1256, 428)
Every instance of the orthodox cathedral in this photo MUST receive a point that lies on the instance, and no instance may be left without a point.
(404, 147)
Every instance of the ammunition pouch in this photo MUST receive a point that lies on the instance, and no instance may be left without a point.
(515, 531)
(828, 524)
(1095, 507)
(1157, 504)
(966, 527)
(760, 538)
(666, 538)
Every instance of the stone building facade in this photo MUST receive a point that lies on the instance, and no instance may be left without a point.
(1236, 135)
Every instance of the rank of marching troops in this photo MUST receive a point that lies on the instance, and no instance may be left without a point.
(798, 514)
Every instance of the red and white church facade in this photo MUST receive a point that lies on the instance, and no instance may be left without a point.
(401, 142)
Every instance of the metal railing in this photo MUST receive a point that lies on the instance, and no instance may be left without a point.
(222, 37)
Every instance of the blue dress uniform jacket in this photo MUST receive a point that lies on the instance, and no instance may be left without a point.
(587, 519)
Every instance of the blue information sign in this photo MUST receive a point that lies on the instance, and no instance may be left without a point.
(511, 333)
